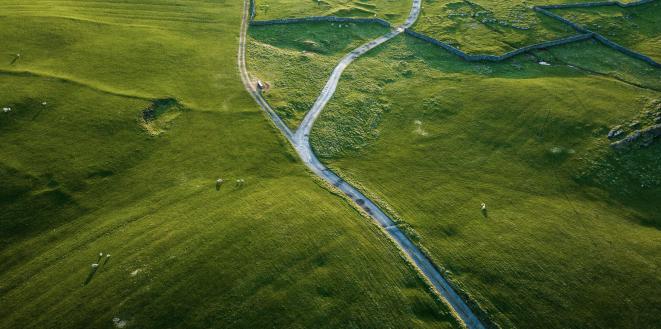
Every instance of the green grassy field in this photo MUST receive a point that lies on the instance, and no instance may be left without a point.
(394, 11)
(295, 60)
(571, 236)
(488, 27)
(85, 170)
(635, 27)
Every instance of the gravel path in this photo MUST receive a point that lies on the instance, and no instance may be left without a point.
(300, 141)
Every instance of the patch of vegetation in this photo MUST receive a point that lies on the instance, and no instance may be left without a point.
(634, 27)
(157, 118)
(488, 27)
(394, 11)
(80, 177)
(570, 234)
(629, 171)
(297, 59)
(592, 57)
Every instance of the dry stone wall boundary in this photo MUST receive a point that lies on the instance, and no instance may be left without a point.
(495, 58)
(629, 52)
(545, 10)
(310, 19)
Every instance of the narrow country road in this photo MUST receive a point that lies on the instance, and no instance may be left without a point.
(301, 142)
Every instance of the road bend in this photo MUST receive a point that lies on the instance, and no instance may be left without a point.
(301, 142)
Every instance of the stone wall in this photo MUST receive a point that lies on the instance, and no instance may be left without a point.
(544, 10)
(494, 58)
(595, 4)
(310, 19)
(626, 51)
(585, 33)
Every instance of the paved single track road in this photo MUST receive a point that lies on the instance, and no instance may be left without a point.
(301, 142)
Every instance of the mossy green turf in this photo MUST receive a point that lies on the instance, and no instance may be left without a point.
(572, 235)
(488, 27)
(634, 27)
(394, 11)
(80, 176)
(296, 59)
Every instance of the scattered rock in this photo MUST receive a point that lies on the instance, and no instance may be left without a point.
(615, 132)
(119, 323)
(635, 124)
(134, 273)
(622, 144)
(418, 128)
(654, 131)
(544, 63)
(646, 135)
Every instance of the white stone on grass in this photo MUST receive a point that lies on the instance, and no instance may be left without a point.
(119, 323)
(418, 128)
(556, 150)
(544, 63)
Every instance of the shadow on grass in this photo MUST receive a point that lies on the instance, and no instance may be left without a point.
(93, 271)
(90, 276)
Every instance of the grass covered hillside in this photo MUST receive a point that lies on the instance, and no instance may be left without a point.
(295, 60)
(635, 27)
(570, 238)
(488, 27)
(394, 11)
(121, 117)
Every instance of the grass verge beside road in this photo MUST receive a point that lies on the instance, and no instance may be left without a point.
(82, 176)
(571, 231)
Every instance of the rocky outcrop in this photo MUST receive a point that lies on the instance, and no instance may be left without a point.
(642, 138)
